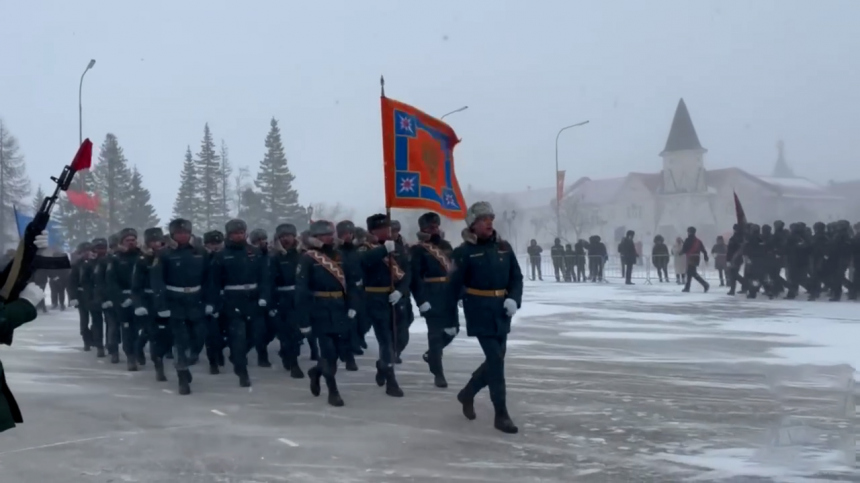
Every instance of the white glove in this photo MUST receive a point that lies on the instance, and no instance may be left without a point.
(452, 331)
(305, 330)
(390, 246)
(510, 307)
(424, 307)
(56, 279)
(164, 314)
(273, 312)
(141, 311)
(394, 297)
(41, 241)
(208, 309)
(32, 293)
(107, 305)
(73, 303)
(261, 302)
(215, 315)
(350, 313)
(460, 303)
(126, 303)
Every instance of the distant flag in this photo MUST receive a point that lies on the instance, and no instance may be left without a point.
(559, 186)
(84, 157)
(83, 200)
(55, 236)
(739, 211)
(418, 154)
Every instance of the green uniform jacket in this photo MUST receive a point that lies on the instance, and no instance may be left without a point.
(12, 316)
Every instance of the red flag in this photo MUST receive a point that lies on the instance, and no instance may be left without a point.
(559, 186)
(418, 161)
(83, 200)
(84, 157)
(739, 211)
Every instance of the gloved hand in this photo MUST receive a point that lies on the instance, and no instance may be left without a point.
(273, 312)
(141, 311)
(394, 297)
(215, 315)
(56, 279)
(107, 305)
(164, 314)
(460, 303)
(350, 313)
(424, 307)
(510, 307)
(305, 330)
(73, 303)
(390, 246)
(208, 309)
(41, 241)
(452, 331)
(261, 302)
(32, 293)
(126, 303)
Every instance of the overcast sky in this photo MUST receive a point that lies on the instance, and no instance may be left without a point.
(751, 72)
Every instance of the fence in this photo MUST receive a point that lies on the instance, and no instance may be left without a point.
(643, 270)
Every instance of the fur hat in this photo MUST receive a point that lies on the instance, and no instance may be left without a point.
(377, 221)
(152, 234)
(321, 228)
(360, 235)
(113, 240)
(481, 209)
(127, 232)
(631, 233)
(84, 247)
(345, 226)
(285, 229)
(395, 226)
(213, 237)
(257, 235)
(99, 243)
(428, 219)
(179, 224)
(235, 226)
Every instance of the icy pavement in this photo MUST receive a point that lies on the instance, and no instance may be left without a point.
(608, 384)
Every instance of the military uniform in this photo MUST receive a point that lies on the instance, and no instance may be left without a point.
(118, 276)
(351, 260)
(76, 292)
(13, 315)
(113, 333)
(215, 327)
(285, 262)
(403, 308)
(91, 296)
(265, 329)
(488, 277)
(158, 331)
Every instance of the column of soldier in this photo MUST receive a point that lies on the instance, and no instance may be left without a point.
(328, 287)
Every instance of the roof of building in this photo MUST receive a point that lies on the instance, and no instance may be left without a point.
(682, 135)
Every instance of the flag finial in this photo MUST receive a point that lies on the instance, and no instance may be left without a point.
(382, 85)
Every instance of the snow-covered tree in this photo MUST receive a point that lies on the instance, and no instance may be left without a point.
(112, 178)
(14, 184)
(187, 204)
(208, 166)
(139, 212)
(38, 198)
(253, 210)
(226, 173)
(275, 183)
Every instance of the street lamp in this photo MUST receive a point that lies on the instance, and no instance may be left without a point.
(557, 203)
(80, 104)
(455, 111)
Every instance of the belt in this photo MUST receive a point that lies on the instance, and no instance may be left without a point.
(183, 289)
(436, 279)
(81, 289)
(486, 293)
(148, 290)
(247, 286)
(377, 289)
(286, 288)
(329, 295)
(128, 292)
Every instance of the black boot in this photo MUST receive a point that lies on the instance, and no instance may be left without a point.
(380, 374)
(391, 386)
(334, 398)
(439, 381)
(131, 364)
(296, 371)
(141, 358)
(87, 344)
(159, 370)
(315, 352)
(263, 359)
(466, 396)
(114, 358)
(169, 354)
(184, 382)
(213, 369)
(100, 352)
(503, 421)
(244, 379)
(314, 374)
(350, 363)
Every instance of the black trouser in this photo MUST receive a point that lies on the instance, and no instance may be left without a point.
(535, 263)
(662, 272)
(692, 273)
(558, 268)
(580, 271)
(405, 317)
(84, 323)
(160, 335)
(98, 328)
(628, 271)
(721, 273)
(130, 331)
(289, 336)
(438, 340)
(595, 268)
(114, 334)
(58, 292)
(186, 330)
(491, 372)
(379, 312)
(330, 346)
(214, 340)
(733, 275)
(265, 329)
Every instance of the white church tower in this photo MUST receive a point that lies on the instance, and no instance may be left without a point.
(683, 157)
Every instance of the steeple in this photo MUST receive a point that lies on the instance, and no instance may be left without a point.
(682, 135)
(781, 169)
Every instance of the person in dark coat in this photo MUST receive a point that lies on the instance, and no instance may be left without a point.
(580, 258)
(488, 278)
(286, 257)
(627, 251)
(569, 262)
(349, 249)
(216, 325)
(597, 256)
(404, 307)
(660, 258)
(158, 330)
(718, 251)
(119, 277)
(80, 258)
(91, 296)
(557, 255)
(265, 330)
(735, 259)
(693, 248)
(534, 251)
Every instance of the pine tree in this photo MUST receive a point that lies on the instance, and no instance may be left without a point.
(38, 198)
(274, 180)
(79, 225)
(187, 202)
(14, 185)
(139, 214)
(226, 172)
(253, 209)
(112, 179)
(208, 167)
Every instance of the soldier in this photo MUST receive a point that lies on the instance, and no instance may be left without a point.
(157, 328)
(89, 273)
(241, 271)
(325, 300)
(734, 259)
(216, 329)
(178, 275)
(80, 260)
(118, 276)
(385, 282)
(285, 261)
(818, 255)
(350, 255)
(488, 278)
(431, 268)
(103, 290)
(266, 328)
(364, 323)
(59, 282)
(405, 317)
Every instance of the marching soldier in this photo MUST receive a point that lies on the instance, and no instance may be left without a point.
(487, 273)
(265, 330)
(404, 307)
(91, 296)
(80, 259)
(325, 301)
(118, 276)
(241, 271)
(285, 262)
(113, 334)
(351, 261)
(364, 323)
(157, 328)
(431, 267)
(380, 297)
(213, 241)
(178, 275)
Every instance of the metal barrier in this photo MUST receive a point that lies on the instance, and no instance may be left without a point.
(644, 270)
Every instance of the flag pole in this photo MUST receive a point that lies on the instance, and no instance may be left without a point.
(393, 313)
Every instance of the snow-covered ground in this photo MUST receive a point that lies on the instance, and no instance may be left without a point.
(608, 383)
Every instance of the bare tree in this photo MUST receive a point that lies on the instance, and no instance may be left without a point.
(332, 212)
(579, 216)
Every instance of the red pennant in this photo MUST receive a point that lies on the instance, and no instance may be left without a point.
(83, 158)
(739, 211)
(83, 200)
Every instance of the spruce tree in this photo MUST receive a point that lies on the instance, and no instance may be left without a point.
(79, 225)
(274, 181)
(253, 210)
(139, 214)
(14, 185)
(112, 179)
(226, 172)
(38, 198)
(208, 167)
(187, 202)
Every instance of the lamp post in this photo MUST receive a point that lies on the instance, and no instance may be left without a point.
(557, 203)
(80, 102)
(455, 111)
